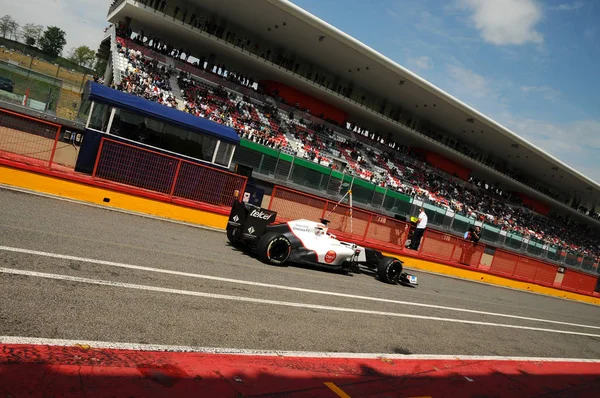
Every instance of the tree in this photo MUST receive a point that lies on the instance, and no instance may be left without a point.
(53, 40)
(100, 66)
(83, 56)
(14, 30)
(6, 25)
(31, 33)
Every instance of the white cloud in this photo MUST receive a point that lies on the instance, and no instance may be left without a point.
(423, 62)
(576, 143)
(391, 13)
(504, 22)
(567, 7)
(469, 83)
(547, 92)
(82, 20)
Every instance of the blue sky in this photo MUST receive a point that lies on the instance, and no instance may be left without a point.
(530, 65)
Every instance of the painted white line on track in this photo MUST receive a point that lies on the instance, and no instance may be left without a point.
(277, 302)
(18, 340)
(282, 287)
(163, 219)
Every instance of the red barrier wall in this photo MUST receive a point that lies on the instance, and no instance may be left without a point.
(579, 281)
(450, 167)
(316, 106)
(524, 268)
(536, 205)
(383, 233)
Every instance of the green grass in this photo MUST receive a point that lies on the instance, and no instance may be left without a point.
(41, 88)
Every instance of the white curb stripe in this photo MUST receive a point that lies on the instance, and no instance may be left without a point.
(17, 340)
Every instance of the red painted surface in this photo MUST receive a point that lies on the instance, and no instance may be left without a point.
(536, 205)
(316, 106)
(39, 371)
(450, 167)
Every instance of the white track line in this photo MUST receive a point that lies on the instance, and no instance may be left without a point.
(277, 302)
(17, 340)
(281, 287)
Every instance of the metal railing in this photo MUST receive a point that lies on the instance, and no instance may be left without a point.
(384, 233)
(308, 176)
(357, 225)
(28, 140)
(168, 175)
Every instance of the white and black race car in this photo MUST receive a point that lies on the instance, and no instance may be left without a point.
(253, 229)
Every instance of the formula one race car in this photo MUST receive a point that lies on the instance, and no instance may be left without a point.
(252, 229)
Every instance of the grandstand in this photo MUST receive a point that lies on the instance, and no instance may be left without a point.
(290, 82)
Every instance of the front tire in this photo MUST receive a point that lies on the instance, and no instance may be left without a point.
(274, 249)
(389, 270)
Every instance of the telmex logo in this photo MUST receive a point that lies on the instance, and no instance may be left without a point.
(260, 214)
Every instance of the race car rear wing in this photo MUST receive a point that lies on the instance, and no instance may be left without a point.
(252, 220)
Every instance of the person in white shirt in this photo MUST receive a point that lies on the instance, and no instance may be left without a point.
(419, 231)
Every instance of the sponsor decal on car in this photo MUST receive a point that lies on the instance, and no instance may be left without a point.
(301, 228)
(330, 256)
(260, 214)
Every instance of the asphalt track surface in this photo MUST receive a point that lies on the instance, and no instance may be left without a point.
(106, 294)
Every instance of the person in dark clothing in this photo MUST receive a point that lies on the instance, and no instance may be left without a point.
(469, 247)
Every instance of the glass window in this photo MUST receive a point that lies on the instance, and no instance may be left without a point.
(224, 154)
(137, 128)
(84, 111)
(164, 136)
(100, 117)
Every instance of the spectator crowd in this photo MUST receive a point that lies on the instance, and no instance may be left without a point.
(386, 164)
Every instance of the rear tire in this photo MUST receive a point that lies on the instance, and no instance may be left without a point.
(389, 270)
(274, 249)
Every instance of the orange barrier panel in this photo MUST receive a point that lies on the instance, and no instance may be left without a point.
(363, 227)
(387, 232)
(524, 268)
(504, 262)
(438, 245)
(579, 281)
(154, 171)
(467, 253)
(546, 273)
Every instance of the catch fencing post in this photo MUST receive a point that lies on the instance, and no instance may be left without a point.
(175, 179)
(54, 147)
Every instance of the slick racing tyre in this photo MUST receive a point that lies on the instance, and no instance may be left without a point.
(389, 270)
(274, 249)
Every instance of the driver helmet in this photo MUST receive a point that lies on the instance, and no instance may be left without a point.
(321, 230)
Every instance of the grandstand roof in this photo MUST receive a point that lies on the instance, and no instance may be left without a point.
(99, 93)
(324, 45)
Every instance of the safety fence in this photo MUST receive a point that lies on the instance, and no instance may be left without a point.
(28, 139)
(450, 248)
(158, 172)
(316, 179)
(359, 226)
(384, 233)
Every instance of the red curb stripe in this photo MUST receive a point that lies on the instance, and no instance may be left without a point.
(32, 370)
